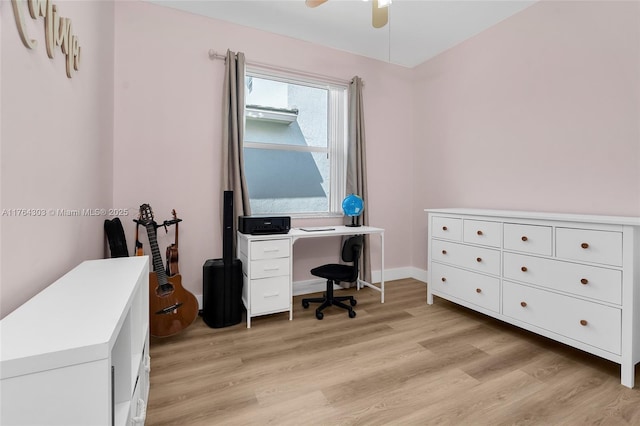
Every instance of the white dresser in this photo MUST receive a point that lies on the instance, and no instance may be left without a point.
(572, 278)
(267, 272)
(77, 352)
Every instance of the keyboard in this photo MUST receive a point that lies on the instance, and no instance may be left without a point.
(317, 228)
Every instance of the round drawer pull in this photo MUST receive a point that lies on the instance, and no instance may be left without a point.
(583, 322)
(478, 259)
(524, 269)
(524, 238)
(444, 252)
(584, 281)
(444, 279)
(478, 290)
(584, 245)
(479, 233)
(523, 304)
(444, 228)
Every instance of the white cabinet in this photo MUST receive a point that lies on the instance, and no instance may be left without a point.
(77, 353)
(267, 274)
(572, 278)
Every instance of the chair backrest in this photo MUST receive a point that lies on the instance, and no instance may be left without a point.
(351, 253)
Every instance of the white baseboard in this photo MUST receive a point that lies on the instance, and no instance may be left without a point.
(318, 285)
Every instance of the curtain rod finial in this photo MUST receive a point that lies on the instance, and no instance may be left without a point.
(212, 54)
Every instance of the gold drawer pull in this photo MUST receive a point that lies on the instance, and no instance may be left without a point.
(584, 245)
(444, 252)
(478, 290)
(584, 281)
(583, 322)
(444, 228)
(524, 238)
(523, 304)
(444, 279)
(479, 233)
(524, 269)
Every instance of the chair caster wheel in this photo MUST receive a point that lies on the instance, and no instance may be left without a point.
(305, 304)
(319, 315)
(353, 302)
(352, 314)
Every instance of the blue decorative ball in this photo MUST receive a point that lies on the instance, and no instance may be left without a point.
(352, 205)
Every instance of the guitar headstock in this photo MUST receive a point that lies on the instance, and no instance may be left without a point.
(146, 214)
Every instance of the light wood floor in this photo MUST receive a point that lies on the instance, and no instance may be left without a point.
(401, 363)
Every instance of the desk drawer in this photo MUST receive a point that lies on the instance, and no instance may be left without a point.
(270, 268)
(270, 295)
(270, 249)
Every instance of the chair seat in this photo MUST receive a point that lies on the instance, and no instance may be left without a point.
(334, 272)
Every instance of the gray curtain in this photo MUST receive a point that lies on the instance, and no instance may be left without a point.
(357, 165)
(232, 136)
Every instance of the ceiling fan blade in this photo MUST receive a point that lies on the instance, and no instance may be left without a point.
(314, 3)
(379, 16)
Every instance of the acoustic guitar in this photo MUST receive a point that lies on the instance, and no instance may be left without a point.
(171, 307)
(172, 250)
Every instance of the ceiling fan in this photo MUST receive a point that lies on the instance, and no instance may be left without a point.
(379, 11)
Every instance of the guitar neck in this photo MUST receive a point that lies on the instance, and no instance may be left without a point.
(158, 267)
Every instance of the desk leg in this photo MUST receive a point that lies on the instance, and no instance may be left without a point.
(360, 283)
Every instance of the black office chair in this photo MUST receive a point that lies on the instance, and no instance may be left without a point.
(336, 273)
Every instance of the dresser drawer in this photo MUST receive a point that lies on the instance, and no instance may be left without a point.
(270, 295)
(270, 249)
(582, 280)
(588, 322)
(471, 257)
(481, 290)
(532, 239)
(589, 245)
(446, 227)
(482, 232)
(270, 268)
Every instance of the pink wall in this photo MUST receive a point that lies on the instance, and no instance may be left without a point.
(56, 141)
(540, 112)
(167, 146)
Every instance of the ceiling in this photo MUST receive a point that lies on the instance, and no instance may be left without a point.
(417, 30)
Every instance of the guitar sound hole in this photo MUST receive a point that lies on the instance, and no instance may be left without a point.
(164, 290)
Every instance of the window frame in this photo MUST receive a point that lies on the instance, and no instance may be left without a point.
(337, 134)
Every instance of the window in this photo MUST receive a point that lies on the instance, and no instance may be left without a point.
(294, 145)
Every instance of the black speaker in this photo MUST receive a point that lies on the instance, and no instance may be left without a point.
(227, 227)
(222, 278)
(222, 293)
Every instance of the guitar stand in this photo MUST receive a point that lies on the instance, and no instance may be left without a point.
(156, 226)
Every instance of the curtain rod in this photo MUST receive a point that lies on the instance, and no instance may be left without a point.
(215, 55)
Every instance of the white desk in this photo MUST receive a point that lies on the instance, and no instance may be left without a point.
(267, 265)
